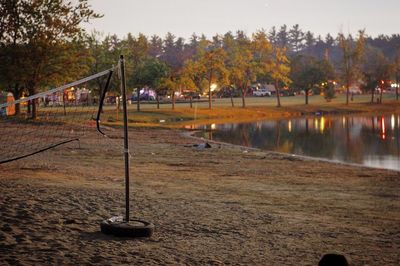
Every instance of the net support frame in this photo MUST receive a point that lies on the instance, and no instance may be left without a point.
(126, 143)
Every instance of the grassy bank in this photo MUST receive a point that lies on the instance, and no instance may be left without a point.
(257, 108)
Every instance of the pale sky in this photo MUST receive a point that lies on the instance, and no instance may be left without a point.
(184, 17)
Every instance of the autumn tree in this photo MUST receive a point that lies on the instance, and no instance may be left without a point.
(194, 71)
(280, 69)
(262, 53)
(241, 65)
(352, 53)
(213, 64)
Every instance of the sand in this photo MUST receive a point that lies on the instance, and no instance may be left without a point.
(224, 205)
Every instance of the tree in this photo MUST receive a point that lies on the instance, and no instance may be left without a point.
(137, 50)
(280, 70)
(195, 72)
(272, 35)
(155, 46)
(103, 54)
(396, 71)
(307, 72)
(351, 58)
(296, 37)
(151, 72)
(11, 53)
(309, 43)
(173, 57)
(329, 90)
(46, 36)
(213, 64)
(376, 71)
(283, 37)
(241, 63)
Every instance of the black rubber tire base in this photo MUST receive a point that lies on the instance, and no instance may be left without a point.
(133, 228)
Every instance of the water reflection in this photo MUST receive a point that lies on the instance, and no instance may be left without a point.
(368, 140)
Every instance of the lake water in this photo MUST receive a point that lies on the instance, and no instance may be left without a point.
(368, 140)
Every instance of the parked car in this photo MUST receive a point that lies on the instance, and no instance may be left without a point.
(143, 97)
(262, 93)
(192, 94)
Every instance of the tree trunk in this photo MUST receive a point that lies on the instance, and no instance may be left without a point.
(306, 95)
(233, 104)
(28, 111)
(191, 104)
(397, 88)
(372, 95)
(209, 90)
(173, 100)
(64, 96)
(347, 93)
(244, 98)
(158, 102)
(381, 98)
(209, 96)
(17, 95)
(138, 100)
(32, 103)
(277, 94)
(34, 109)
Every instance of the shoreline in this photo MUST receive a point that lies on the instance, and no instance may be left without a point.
(305, 157)
(210, 206)
(182, 116)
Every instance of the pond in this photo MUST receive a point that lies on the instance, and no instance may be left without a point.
(367, 140)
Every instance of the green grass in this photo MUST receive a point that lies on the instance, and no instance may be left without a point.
(257, 108)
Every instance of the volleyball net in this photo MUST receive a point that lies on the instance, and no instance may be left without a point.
(62, 115)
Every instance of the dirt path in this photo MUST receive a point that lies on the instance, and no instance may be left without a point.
(223, 205)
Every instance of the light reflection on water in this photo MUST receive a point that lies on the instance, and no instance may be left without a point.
(368, 140)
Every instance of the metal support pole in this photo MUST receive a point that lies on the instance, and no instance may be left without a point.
(126, 145)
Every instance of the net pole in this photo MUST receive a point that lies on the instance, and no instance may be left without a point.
(126, 144)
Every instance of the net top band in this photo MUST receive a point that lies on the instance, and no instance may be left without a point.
(61, 88)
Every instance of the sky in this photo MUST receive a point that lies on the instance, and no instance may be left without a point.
(185, 17)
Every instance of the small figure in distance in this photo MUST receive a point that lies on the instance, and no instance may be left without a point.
(333, 260)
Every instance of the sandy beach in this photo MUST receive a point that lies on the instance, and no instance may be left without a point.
(224, 205)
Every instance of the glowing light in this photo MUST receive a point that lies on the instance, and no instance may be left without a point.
(316, 123)
(383, 128)
(344, 121)
(290, 125)
(213, 87)
(322, 124)
(393, 122)
(213, 126)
